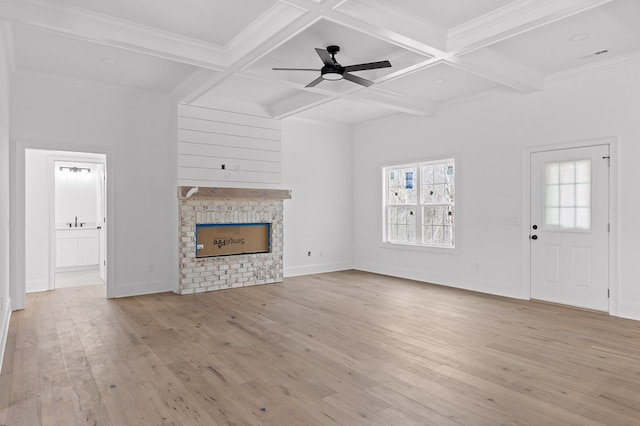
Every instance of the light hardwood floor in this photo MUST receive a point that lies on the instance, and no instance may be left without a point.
(78, 278)
(339, 348)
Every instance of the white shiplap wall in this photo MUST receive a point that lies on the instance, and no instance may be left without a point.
(247, 145)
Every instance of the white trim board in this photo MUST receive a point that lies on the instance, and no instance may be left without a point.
(4, 330)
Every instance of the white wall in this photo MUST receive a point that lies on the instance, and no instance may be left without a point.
(489, 136)
(76, 194)
(247, 145)
(137, 132)
(5, 310)
(316, 166)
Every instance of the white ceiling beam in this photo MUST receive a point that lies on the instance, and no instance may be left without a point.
(513, 19)
(278, 18)
(99, 28)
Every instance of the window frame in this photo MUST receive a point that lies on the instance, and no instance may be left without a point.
(419, 246)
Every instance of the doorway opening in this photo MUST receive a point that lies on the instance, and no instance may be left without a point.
(65, 219)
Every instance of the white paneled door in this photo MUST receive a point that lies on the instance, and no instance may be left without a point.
(569, 229)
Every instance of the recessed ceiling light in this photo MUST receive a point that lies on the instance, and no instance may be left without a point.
(579, 37)
(109, 61)
(347, 109)
(439, 81)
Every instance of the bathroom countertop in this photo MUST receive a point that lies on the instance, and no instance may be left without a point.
(79, 228)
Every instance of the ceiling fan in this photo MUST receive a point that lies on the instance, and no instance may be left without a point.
(333, 71)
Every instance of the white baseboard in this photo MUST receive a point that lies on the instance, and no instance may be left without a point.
(143, 287)
(4, 328)
(629, 311)
(478, 285)
(33, 286)
(316, 269)
(77, 268)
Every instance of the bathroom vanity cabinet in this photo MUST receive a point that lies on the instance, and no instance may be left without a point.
(77, 247)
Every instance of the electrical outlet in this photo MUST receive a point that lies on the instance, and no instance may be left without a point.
(477, 266)
(150, 267)
(308, 254)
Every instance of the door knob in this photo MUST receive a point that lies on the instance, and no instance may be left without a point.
(534, 237)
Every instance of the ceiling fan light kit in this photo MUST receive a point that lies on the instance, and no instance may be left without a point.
(333, 71)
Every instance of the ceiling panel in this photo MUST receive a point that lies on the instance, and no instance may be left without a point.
(509, 45)
(47, 52)
(216, 22)
(562, 45)
(447, 14)
(355, 47)
(440, 83)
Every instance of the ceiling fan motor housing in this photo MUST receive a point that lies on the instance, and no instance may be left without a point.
(332, 73)
(333, 49)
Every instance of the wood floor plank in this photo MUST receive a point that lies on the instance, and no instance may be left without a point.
(345, 348)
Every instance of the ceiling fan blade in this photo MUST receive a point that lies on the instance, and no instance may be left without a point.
(369, 66)
(295, 69)
(326, 57)
(315, 82)
(356, 79)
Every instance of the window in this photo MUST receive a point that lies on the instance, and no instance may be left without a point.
(567, 195)
(419, 204)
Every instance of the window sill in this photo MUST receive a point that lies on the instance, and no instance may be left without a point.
(418, 247)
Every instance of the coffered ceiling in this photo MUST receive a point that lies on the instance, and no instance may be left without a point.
(221, 53)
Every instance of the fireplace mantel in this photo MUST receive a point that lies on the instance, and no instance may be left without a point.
(203, 193)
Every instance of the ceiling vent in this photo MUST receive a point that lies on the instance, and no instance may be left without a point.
(598, 53)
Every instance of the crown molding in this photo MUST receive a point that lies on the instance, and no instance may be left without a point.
(396, 101)
(111, 87)
(595, 66)
(6, 37)
(99, 28)
(295, 104)
(491, 65)
(513, 19)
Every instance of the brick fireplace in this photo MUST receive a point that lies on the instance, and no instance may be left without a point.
(208, 205)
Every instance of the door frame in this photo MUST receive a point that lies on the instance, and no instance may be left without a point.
(17, 256)
(527, 152)
(51, 174)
